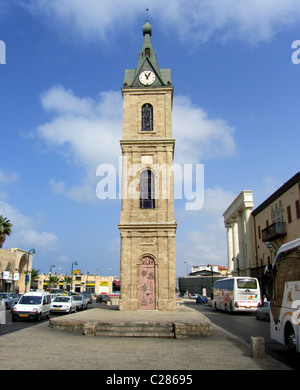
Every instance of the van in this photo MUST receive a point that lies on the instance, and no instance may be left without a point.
(32, 305)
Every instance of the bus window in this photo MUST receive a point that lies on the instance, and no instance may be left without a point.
(246, 283)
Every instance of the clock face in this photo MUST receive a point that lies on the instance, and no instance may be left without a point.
(147, 77)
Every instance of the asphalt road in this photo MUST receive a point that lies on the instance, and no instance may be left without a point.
(10, 326)
(244, 326)
(241, 325)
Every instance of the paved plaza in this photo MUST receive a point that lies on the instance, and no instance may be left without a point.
(42, 348)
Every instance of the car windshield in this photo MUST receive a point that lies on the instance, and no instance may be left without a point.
(62, 299)
(30, 300)
(3, 295)
(78, 297)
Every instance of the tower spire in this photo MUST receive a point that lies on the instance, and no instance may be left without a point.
(147, 28)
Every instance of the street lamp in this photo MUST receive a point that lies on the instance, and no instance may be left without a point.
(238, 264)
(27, 276)
(212, 278)
(50, 273)
(75, 263)
(187, 268)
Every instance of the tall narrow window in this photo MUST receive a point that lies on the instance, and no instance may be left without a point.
(147, 193)
(147, 117)
(297, 203)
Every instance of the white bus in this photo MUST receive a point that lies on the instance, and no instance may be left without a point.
(236, 294)
(285, 301)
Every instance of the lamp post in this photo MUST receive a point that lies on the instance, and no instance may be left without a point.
(238, 264)
(187, 268)
(50, 273)
(27, 276)
(75, 263)
(212, 279)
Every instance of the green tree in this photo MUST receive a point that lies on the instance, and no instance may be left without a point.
(34, 278)
(53, 280)
(5, 229)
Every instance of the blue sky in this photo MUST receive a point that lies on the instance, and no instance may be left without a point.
(236, 105)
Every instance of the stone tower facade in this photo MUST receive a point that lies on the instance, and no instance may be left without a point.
(147, 225)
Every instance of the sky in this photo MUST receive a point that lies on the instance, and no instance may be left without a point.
(236, 76)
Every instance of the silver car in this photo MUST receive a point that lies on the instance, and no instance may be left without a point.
(9, 299)
(263, 311)
(81, 302)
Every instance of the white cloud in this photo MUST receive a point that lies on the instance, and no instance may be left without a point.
(198, 137)
(88, 129)
(24, 232)
(250, 20)
(205, 242)
(207, 246)
(7, 177)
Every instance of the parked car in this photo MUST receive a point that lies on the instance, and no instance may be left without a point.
(193, 296)
(88, 296)
(263, 311)
(9, 299)
(63, 304)
(103, 298)
(32, 305)
(201, 299)
(81, 302)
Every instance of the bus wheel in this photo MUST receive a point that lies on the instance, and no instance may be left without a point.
(290, 337)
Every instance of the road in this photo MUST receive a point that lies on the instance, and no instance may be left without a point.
(244, 326)
(18, 325)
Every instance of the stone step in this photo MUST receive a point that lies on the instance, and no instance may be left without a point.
(130, 330)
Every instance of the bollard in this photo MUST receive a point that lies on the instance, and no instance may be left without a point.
(257, 347)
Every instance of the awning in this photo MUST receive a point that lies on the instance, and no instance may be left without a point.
(117, 282)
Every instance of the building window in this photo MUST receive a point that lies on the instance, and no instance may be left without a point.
(277, 212)
(297, 203)
(147, 193)
(289, 214)
(147, 117)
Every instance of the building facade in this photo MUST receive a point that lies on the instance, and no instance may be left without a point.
(275, 222)
(94, 284)
(15, 264)
(147, 226)
(255, 235)
(240, 256)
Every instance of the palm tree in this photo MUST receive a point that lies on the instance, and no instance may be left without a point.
(34, 278)
(5, 229)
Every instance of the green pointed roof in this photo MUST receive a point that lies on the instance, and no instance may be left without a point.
(147, 61)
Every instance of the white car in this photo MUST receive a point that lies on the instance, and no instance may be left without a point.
(32, 305)
(63, 304)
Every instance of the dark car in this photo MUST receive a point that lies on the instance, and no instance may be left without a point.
(103, 298)
(201, 299)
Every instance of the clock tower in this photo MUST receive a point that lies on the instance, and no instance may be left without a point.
(147, 226)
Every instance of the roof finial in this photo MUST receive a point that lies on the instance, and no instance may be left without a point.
(147, 29)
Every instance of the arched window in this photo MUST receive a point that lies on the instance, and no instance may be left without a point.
(147, 191)
(147, 117)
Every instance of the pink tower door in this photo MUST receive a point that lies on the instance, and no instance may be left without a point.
(147, 284)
